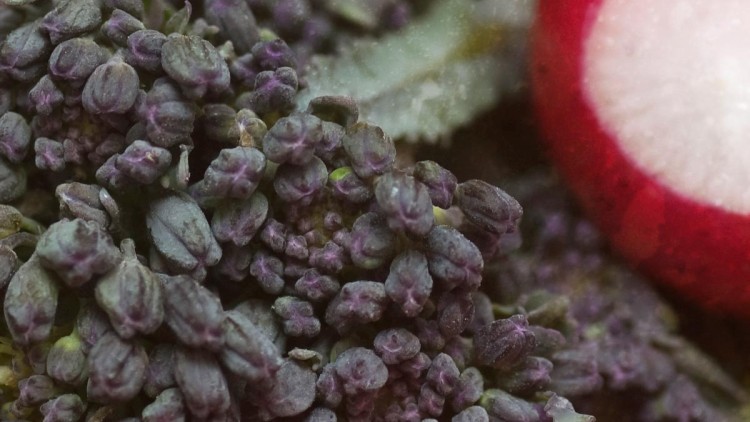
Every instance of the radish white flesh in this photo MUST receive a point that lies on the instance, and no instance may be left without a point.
(670, 80)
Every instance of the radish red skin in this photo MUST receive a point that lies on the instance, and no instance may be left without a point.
(699, 250)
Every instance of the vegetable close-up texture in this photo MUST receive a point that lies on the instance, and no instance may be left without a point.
(312, 210)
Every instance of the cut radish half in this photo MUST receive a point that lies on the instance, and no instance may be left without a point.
(646, 107)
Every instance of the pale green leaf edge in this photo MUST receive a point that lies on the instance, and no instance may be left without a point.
(438, 74)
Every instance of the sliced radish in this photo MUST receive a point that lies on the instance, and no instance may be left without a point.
(646, 108)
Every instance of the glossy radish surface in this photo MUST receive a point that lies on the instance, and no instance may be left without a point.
(646, 109)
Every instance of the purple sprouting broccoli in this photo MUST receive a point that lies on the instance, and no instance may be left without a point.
(77, 251)
(396, 345)
(370, 150)
(406, 203)
(358, 302)
(15, 137)
(195, 65)
(144, 50)
(131, 295)
(120, 25)
(117, 369)
(235, 174)
(300, 183)
(194, 313)
(505, 343)
(111, 88)
(293, 139)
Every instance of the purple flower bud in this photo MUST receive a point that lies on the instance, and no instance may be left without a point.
(532, 376)
(298, 317)
(220, 123)
(247, 351)
(235, 173)
(468, 389)
(405, 202)
(49, 155)
(271, 55)
(455, 312)
(201, 382)
(267, 270)
(78, 200)
(15, 136)
(12, 182)
(169, 405)
(293, 139)
(316, 287)
(443, 374)
(505, 343)
(72, 18)
(274, 90)
(181, 234)
(360, 370)
(440, 182)
(330, 258)
(409, 283)
(112, 88)
(502, 406)
(370, 150)
(296, 247)
(328, 387)
(235, 21)
(472, 414)
(235, 262)
(273, 234)
(488, 207)
(300, 184)
(416, 366)
(133, 7)
(371, 244)
(160, 370)
(77, 251)
(35, 390)
(453, 259)
(292, 393)
(23, 47)
(119, 26)
(107, 174)
(91, 324)
(238, 221)
(67, 407)
(131, 295)
(66, 360)
(331, 149)
(143, 162)
(339, 109)
(144, 50)
(75, 60)
(430, 401)
(576, 371)
(117, 369)
(321, 414)
(195, 65)
(396, 345)
(9, 263)
(169, 117)
(346, 185)
(358, 302)
(428, 331)
(45, 96)
(193, 312)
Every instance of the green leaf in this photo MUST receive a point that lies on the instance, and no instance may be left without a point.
(434, 76)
